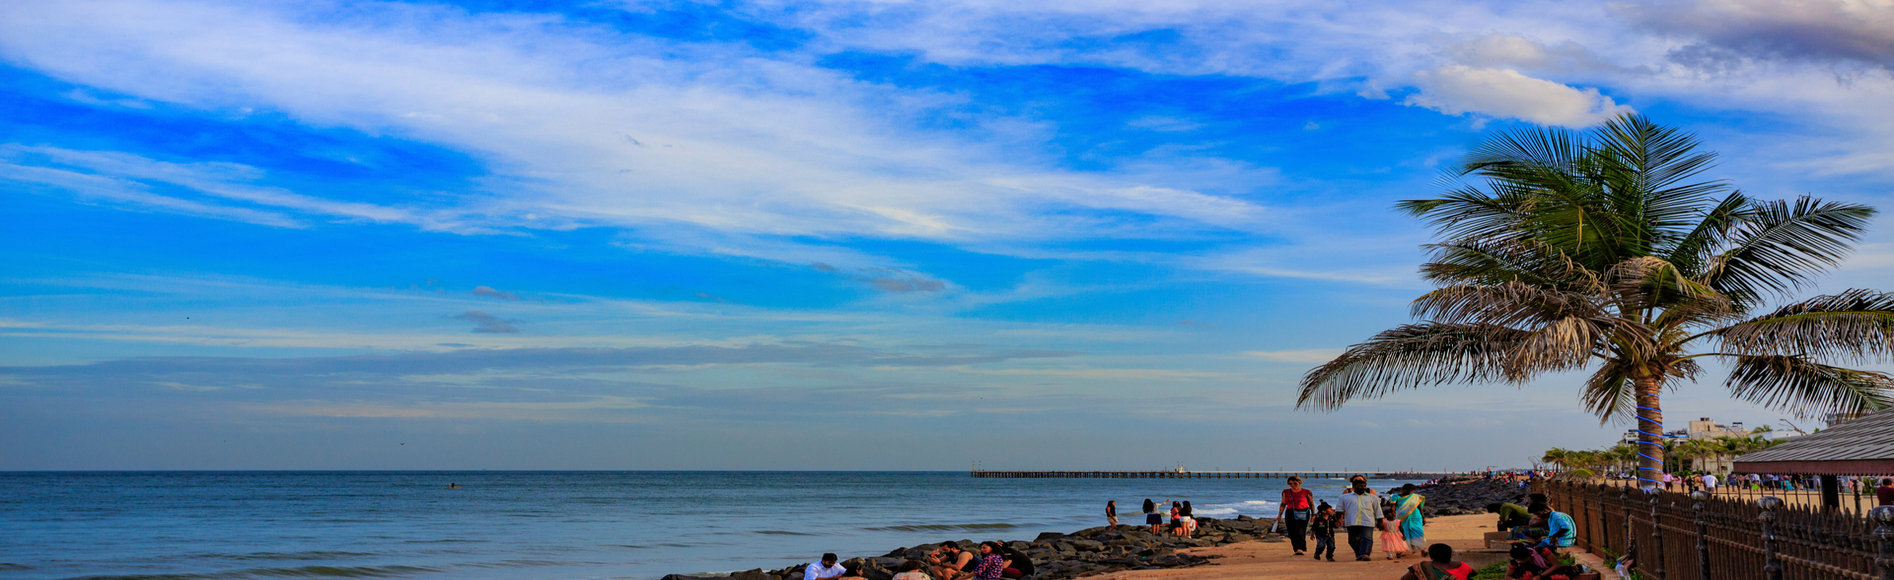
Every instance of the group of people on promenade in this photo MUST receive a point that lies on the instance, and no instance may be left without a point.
(1361, 513)
(1183, 523)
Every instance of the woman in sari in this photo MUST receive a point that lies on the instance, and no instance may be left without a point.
(1407, 511)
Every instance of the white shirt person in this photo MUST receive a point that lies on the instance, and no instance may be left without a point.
(824, 570)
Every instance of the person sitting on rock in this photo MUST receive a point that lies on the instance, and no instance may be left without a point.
(1511, 515)
(948, 562)
(825, 569)
(1441, 566)
(1018, 565)
(992, 562)
(912, 570)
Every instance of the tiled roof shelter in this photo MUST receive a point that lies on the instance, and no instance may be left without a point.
(1864, 446)
(1861, 446)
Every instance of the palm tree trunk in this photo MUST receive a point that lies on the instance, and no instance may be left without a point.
(1650, 433)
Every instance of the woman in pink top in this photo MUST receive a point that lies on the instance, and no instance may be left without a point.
(1297, 505)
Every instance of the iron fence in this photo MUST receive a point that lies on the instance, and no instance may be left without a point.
(1683, 536)
(1855, 493)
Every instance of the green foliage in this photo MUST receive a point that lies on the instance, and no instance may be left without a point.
(1560, 250)
(1494, 572)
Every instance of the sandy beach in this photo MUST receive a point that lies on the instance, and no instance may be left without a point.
(1276, 560)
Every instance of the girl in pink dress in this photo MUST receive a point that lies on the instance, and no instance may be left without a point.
(1392, 543)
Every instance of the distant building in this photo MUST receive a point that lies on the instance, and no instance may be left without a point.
(1704, 428)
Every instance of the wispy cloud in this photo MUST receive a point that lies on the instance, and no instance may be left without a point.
(736, 130)
(487, 323)
(1316, 355)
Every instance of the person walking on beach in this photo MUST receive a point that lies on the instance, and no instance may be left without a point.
(1151, 516)
(1297, 505)
(1111, 513)
(1322, 526)
(1361, 514)
(1392, 544)
(1407, 512)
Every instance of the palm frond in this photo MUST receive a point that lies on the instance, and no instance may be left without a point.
(1467, 212)
(1647, 163)
(1780, 245)
(1410, 356)
(1479, 261)
(1697, 249)
(1649, 282)
(1805, 388)
(1512, 304)
(1856, 325)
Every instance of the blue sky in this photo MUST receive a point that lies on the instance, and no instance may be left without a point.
(818, 235)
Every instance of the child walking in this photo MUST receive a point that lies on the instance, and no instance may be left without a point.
(1322, 526)
(1392, 543)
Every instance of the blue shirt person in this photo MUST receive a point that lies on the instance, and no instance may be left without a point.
(1559, 528)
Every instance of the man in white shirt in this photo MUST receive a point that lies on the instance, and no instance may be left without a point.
(827, 569)
(1709, 482)
(1361, 513)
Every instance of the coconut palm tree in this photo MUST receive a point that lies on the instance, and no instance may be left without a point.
(1605, 250)
(1556, 456)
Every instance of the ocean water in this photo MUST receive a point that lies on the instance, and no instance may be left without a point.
(540, 525)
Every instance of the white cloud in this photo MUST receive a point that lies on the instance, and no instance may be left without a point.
(1512, 51)
(1459, 89)
(129, 178)
(1164, 124)
(587, 126)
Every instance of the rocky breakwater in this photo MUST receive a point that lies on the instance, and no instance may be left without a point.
(1057, 556)
(1469, 496)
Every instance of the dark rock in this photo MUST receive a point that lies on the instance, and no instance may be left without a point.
(1049, 536)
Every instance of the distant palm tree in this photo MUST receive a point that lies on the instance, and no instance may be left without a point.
(1600, 247)
(1556, 456)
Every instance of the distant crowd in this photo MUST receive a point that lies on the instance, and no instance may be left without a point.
(1850, 485)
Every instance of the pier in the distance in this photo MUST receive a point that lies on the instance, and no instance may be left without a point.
(1187, 474)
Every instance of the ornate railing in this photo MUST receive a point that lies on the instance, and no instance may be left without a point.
(1683, 536)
